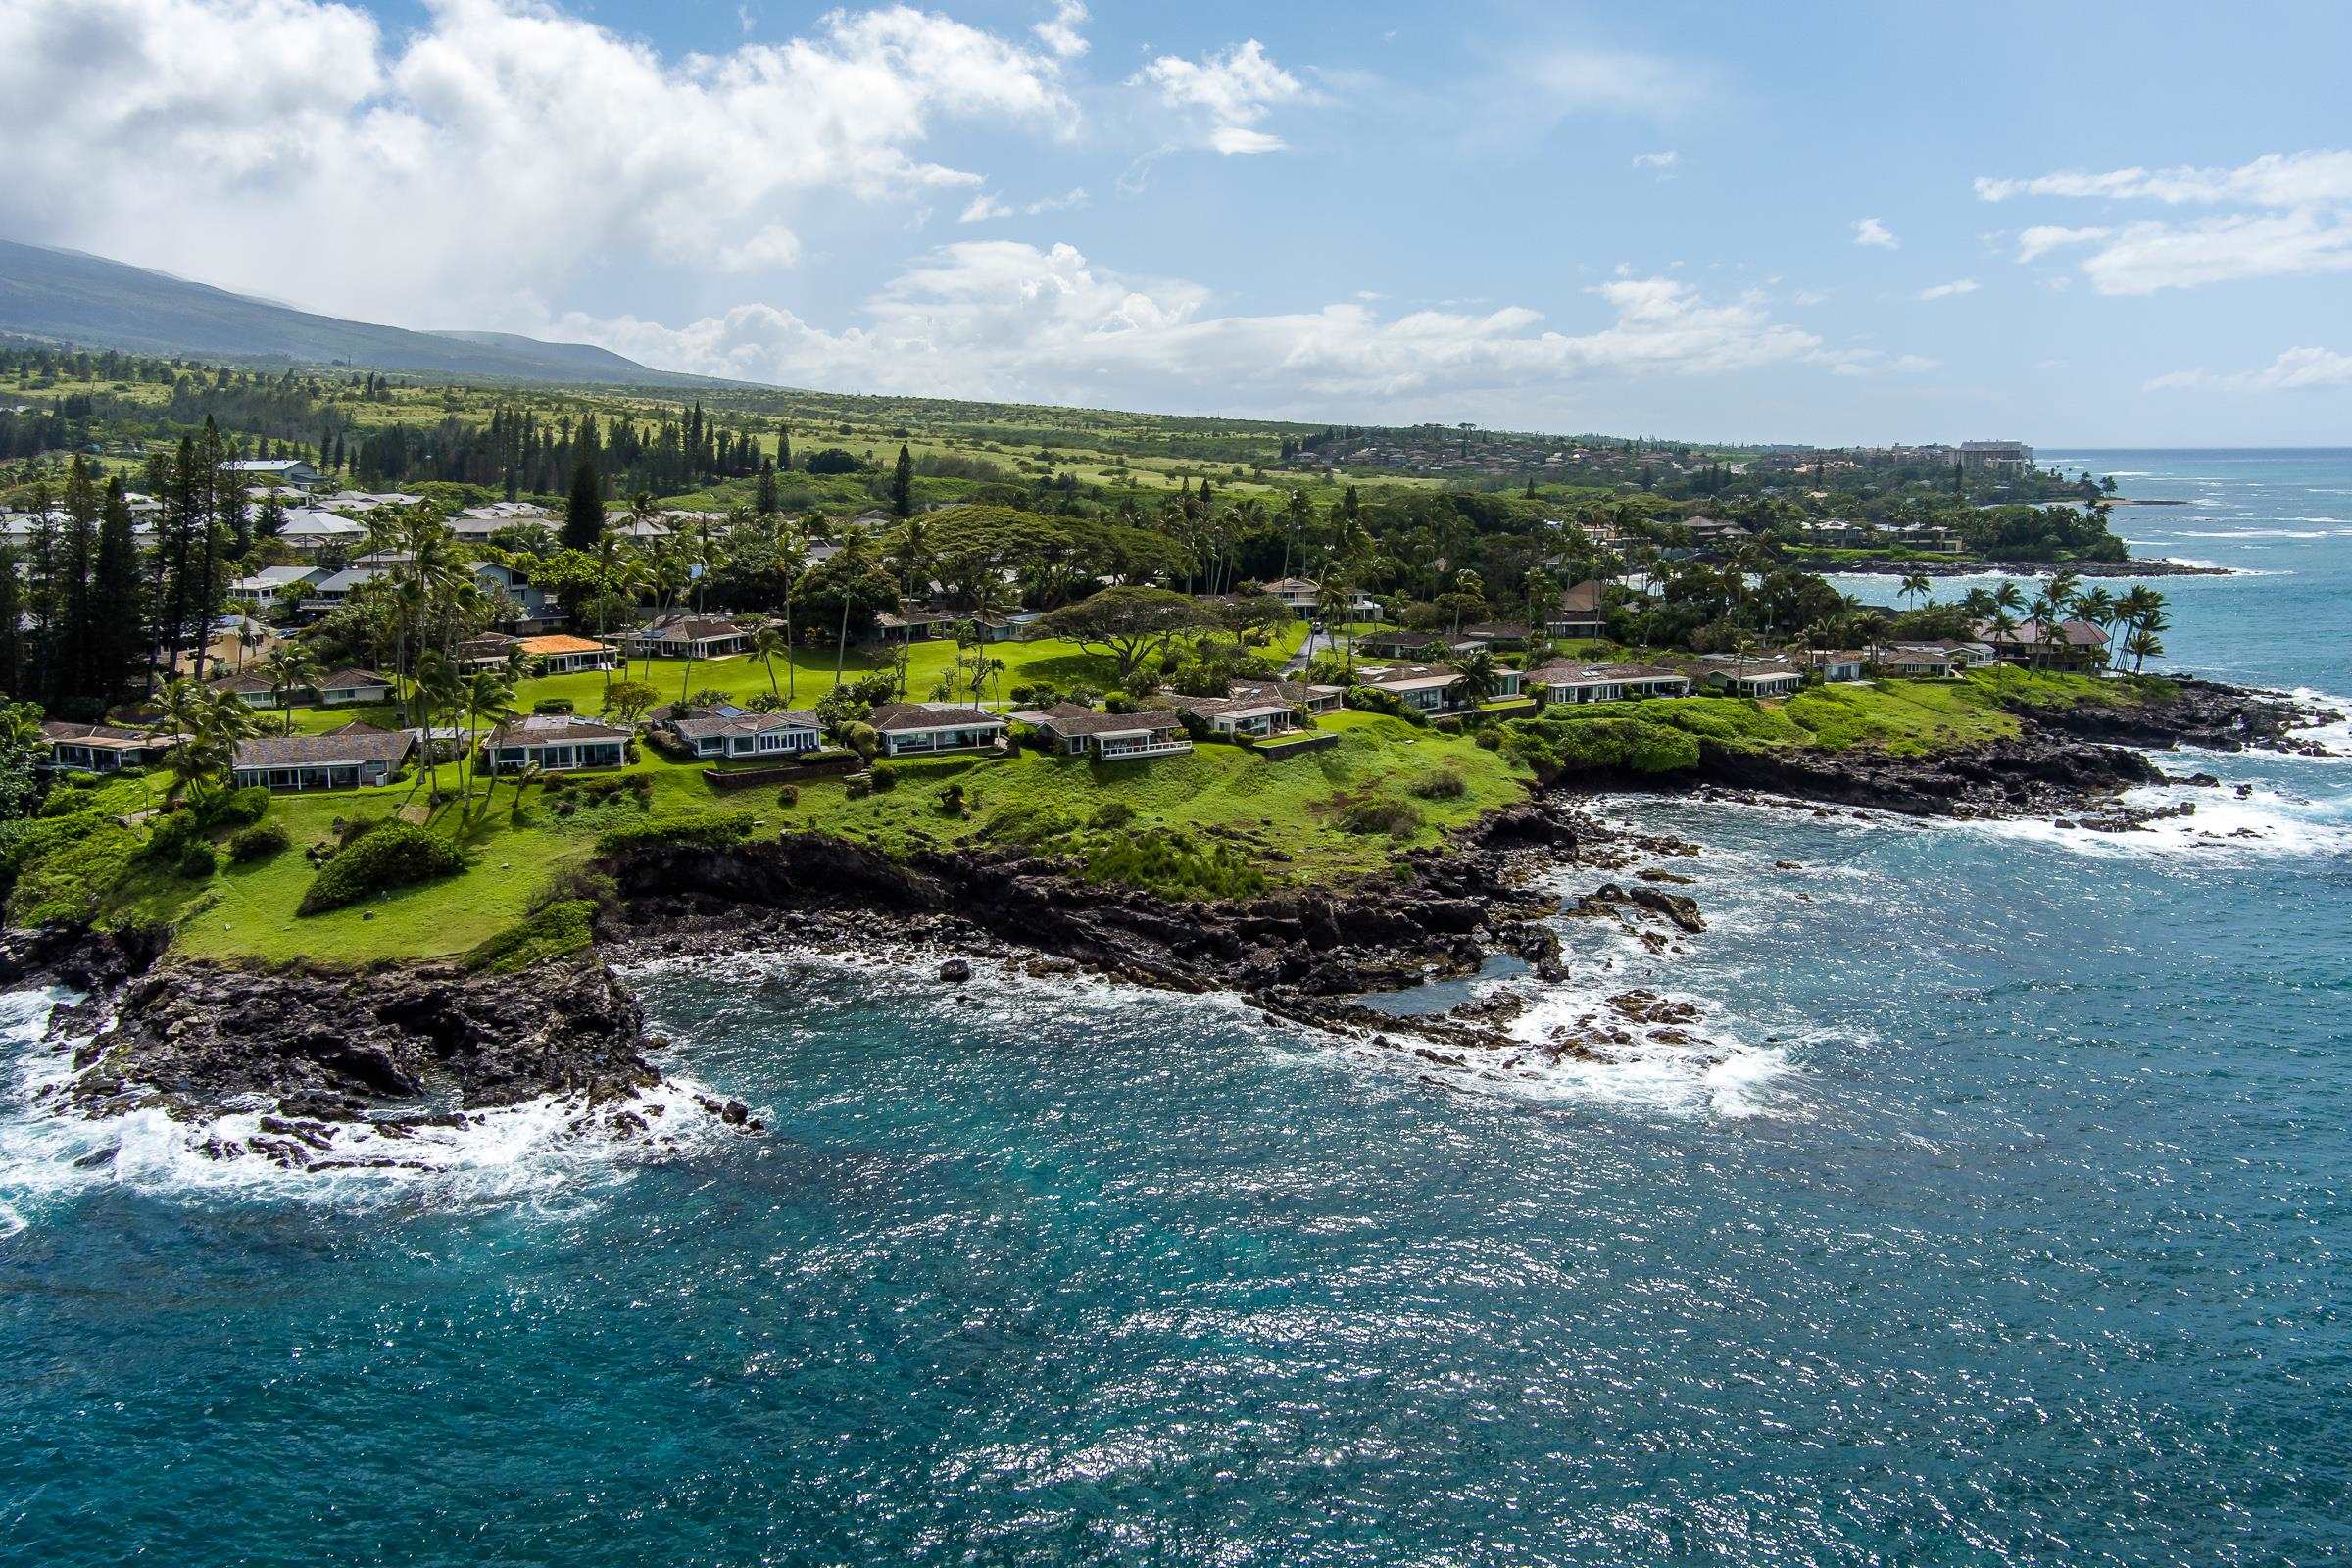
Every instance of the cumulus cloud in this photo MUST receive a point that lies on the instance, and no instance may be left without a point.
(2295, 221)
(1224, 98)
(1944, 291)
(2296, 369)
(1059, 34)
(1005, 319)
(988, 205)
(2275, 180)
(293, 147)
(1870, 231)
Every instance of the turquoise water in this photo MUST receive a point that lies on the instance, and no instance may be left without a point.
(1996, 1213)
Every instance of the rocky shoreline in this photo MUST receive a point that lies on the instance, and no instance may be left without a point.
(399, 1048)
(2136, 566)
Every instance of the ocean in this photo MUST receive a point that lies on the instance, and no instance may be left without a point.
(1994, 1210)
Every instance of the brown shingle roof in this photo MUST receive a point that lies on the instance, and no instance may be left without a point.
(695, 726)
(893, 717)
(1069, 719)
(553, 729)
(318, 751)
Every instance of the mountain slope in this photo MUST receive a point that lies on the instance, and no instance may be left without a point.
(95, 303)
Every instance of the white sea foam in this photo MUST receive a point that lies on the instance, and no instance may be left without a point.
(2270, 822)
(49, 1151)
(2257, 533)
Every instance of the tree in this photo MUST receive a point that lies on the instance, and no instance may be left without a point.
(2144, 644)
(122, 631)
(629, 699)
(489, 701)
(1128, 624)
(1915, 586)
(901, 484)
(768, 644)
(289, 667)
(584, 508)
(765, 498)
(1475, 679)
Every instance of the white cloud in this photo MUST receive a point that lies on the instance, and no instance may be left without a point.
(2145, 258)
(1059, 34)
(1875, 362)
(2298, 222)
(2296, 369)
(1005, 319)
(988, 205)
(2275, 180)
(1870, 231)
(1945, 291)
(1224, 98)
(313, 156)
(1581, 82)
(1660, 161)
(2044, 238)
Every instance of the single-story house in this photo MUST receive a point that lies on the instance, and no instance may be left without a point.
(1237, 716)
(1579, 612)
(1297, 693)
(103, 748)
(637, 529)
(1917, 664)
(1082, 731)
(291, 471)
(314, 529)
(531, 604)
(918, 729)
(350, 757)
(1423, 688)
(560, 654)
(353, 686)
(555, 741)
(489, 651)
(1572, 681)
(252, 688)
(735, 732)
(2072, 643)
(1836, 664)
(1396, 642)
(677, 636)
(909, 623)
(1740, 675)
(1500, 634)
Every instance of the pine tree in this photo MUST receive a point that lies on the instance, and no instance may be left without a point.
(115, 590)
(784, 448)
(73, 681)
(765, 500)
(11, 631)
(584, 509)
(902, 485)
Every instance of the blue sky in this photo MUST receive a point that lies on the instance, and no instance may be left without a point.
(2075, 225)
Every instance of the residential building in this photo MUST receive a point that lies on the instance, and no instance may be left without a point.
(1752, 676)
(1579, 612)
(261, 589)
(1077, 731)
(354, 755)
(921, 729)
(103, 748)
(1428, 688)
(1573, 681)
(1835, 664)
(1917, 664)
(1298, 693)
(1298, 593)
(292, 472)
(736, 734)
(1396, 643)
(2069, 644)
(560, 654)
(682, 635)
(1995, 457)
(313, 528)
(346, 686)
(555, 742)
(252, 688)
(1237, 716)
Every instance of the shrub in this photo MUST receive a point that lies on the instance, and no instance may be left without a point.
(1447, 725)
(789, 795)
(238, 807)
(199, 862)
(1113, 814)
(1169, 864)
(353, 829)
(66, 799)
(1029, 822)
(552, 704)
(168, 837)
(1399, 819)
(258, 841)
(885, 778)
(1446, 786)
(547, 932)
(1117, 702)
(1372, 699)
(390, 855)
(708, 831)
(861, 738)
(950, 800)
(1490, 740)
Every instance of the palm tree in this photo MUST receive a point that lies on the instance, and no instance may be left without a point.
(911, 553)
(854, 563)
(1474, 679)
(617, 572)
(289, 667)
(766, 643)
(437, 687)
(2144, 642)
(209, 725)
(488, 701)
(789, 553)
(1915, 585)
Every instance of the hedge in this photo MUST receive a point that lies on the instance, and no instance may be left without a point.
(391, 856)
